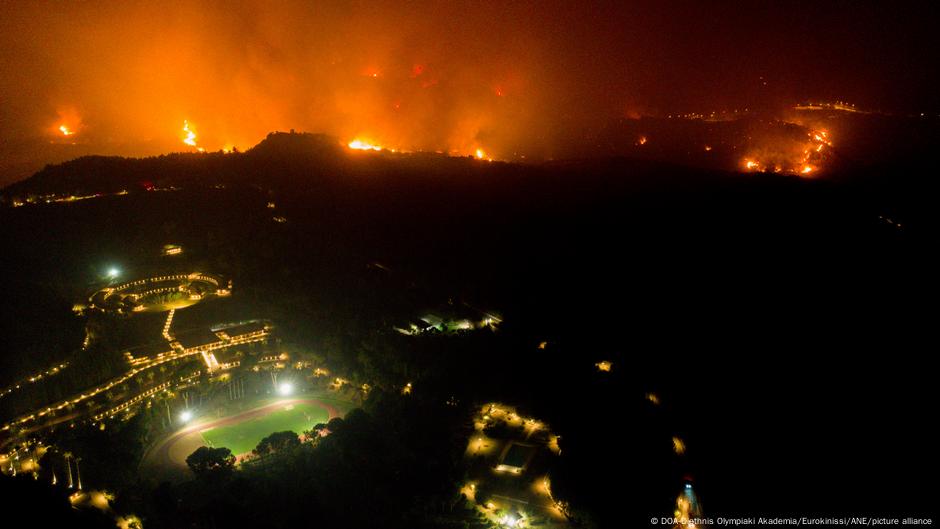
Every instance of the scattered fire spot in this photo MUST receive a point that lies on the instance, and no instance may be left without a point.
(363, 146)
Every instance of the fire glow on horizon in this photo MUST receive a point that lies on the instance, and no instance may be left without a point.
(524, 84)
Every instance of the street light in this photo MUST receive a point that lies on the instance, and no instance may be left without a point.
(285, 388)
(186, 415)
(113, 272)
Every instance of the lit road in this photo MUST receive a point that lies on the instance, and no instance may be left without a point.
(140, 365)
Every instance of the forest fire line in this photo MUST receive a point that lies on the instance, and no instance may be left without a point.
(792, 148)
(808, 162)
(191, 138)
(361, 145)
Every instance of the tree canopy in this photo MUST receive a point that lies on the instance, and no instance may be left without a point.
(206, 460)
(276, 442)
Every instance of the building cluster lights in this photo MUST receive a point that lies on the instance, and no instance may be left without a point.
(143, 364)
(494, 508)
(138, 290)
(128, 403)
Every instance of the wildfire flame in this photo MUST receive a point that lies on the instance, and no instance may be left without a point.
(480, 154)
(363, 146)
(810, 161)
(823, 140)
(190, 138)
(68, 123)
(822, 137)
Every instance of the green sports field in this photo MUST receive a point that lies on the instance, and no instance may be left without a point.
(244, 436)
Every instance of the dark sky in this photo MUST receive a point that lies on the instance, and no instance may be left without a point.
(441, 75)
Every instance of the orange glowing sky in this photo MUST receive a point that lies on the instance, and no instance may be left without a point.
(441, 76)
(397, 77)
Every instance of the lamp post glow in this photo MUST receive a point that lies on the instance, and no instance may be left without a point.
(67, 456)
(285, 388)
(113, 272)
(186, 415)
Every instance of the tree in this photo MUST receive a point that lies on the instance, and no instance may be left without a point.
(335, 424)
(206, 461)
(276, 442)
(316, 431)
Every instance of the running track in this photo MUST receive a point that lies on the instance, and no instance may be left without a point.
(158, 462)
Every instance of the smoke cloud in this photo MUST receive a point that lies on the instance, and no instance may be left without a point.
(511, 78)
